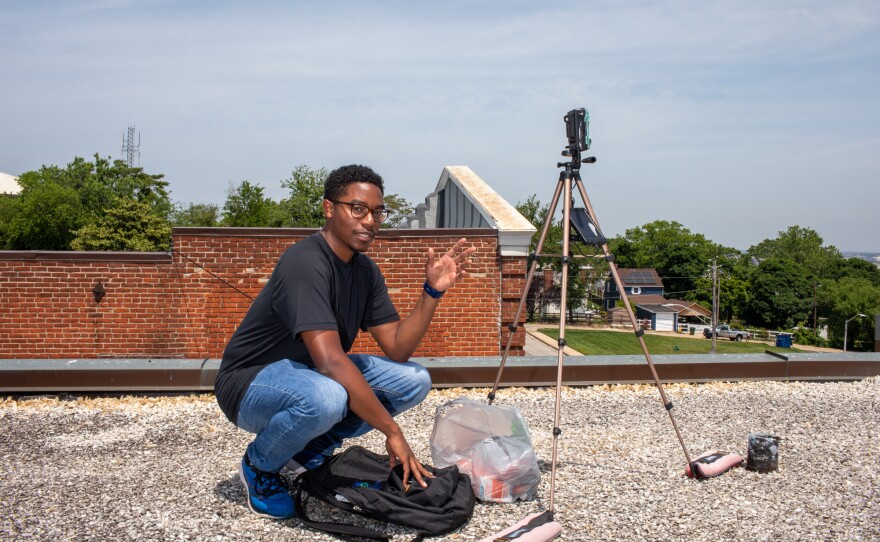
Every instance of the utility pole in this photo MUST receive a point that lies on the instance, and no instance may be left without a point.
(815, 300)
(715, 299)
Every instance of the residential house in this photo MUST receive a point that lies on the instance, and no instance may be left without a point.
(644, 288)
(636, 282)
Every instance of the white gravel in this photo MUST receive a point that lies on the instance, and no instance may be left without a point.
(164, 468)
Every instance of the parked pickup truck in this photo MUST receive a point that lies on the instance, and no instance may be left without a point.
(727, 332)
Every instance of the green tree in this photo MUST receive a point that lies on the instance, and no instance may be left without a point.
(841, 300)
(128, 225)
(800, 245)
(734, 299)
(55, 202)
(119, 180)
(203, 215)
(8, 207)
(536, 213)
(826, 269)
(302, 208)
(400, 208)
(781, 294)
(247, 206)
(679, 256)
(45, 216)
(853, 268)
(806, 335)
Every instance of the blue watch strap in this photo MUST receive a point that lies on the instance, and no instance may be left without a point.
(436, 294)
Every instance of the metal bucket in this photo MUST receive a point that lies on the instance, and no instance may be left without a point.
(763, 452)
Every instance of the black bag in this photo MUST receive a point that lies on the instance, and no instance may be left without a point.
(360, 481)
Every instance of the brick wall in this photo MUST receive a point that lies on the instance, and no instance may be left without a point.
(188, 303)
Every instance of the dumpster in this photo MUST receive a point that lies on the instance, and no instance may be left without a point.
(783, 340)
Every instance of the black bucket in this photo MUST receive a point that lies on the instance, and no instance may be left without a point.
(763, 452)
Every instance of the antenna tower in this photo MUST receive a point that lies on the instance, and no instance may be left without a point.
(130, 149)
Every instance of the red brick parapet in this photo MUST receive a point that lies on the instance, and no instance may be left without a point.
(186, 304)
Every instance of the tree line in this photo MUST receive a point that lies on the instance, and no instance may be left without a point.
(791, 282)
(108, 205)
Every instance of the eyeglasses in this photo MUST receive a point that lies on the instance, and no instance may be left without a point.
(359, 211)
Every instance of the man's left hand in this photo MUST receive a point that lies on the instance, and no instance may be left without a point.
(443, 272)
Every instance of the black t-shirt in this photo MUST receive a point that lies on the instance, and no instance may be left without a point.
(310, 289)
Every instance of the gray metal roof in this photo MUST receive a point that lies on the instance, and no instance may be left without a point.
(657, 309)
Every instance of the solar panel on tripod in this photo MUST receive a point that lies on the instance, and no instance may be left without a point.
(586, 229)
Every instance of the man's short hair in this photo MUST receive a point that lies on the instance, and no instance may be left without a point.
(340, 178)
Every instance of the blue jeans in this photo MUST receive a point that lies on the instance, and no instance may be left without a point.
(291, 407)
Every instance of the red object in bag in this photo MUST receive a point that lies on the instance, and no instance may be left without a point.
(493, 489)
(713, 463)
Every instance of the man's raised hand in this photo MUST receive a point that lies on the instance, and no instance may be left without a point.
(443, 272)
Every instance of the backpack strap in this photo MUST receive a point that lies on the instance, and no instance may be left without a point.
(331, 527)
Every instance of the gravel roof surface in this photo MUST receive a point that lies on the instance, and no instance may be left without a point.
(164, 468)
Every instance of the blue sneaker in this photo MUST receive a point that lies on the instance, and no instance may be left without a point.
(266, 491)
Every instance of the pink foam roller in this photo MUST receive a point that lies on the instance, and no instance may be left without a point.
(713, 463)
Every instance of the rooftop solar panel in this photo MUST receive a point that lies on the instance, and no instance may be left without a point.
(639, 277)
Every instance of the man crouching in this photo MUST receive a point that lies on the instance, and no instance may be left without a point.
(286, 374)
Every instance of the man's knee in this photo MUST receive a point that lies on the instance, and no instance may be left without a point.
(421, 383)
(328, 401)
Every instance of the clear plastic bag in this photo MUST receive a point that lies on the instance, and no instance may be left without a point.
(489, 443)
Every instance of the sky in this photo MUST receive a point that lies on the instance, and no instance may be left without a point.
(735, 119)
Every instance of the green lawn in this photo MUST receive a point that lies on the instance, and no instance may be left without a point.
(598, 342)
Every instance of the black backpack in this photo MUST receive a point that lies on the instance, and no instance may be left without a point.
(360, 481)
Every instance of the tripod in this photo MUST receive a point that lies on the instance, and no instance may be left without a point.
(586, 225)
